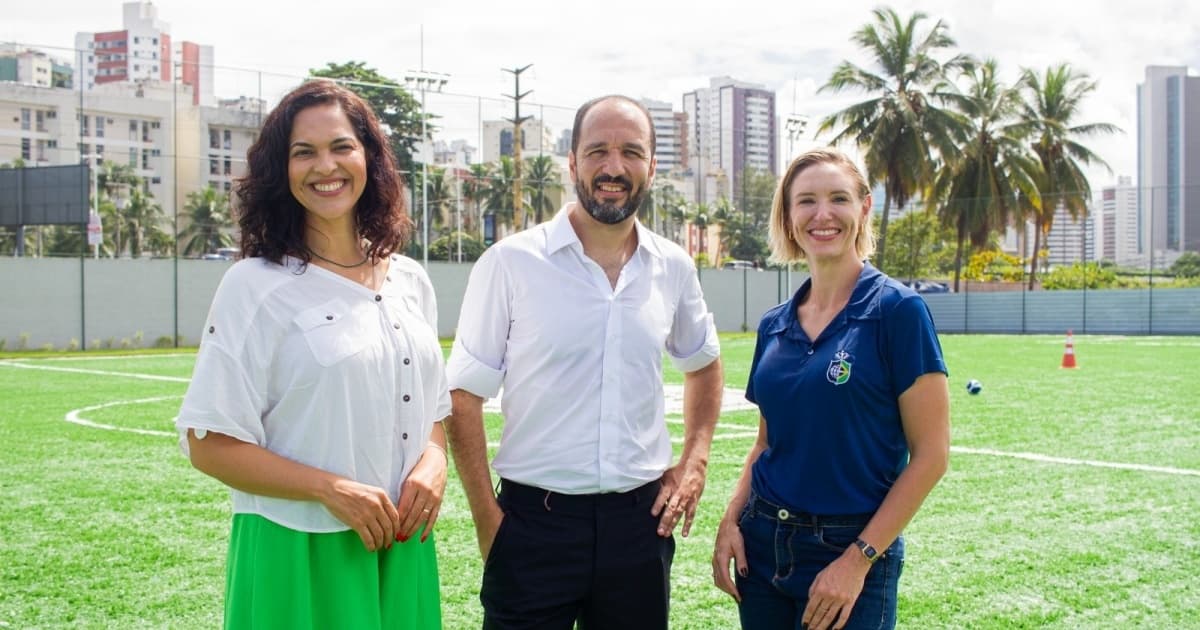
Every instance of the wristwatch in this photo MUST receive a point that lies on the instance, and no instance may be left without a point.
(867, 550)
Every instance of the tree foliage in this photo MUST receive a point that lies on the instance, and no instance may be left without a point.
(1187, 265)
(1054, 101)
(208, 217)
(922, 246)
(900, 129)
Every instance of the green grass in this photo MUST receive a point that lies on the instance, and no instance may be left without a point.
(114, 529)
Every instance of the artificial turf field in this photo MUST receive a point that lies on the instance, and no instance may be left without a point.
(1072, 499)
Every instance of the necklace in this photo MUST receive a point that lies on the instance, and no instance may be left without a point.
(360, 263)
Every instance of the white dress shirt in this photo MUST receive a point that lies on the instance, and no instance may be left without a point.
(580, 362)
(323, 371)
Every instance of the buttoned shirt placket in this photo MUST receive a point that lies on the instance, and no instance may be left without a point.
(608, 443)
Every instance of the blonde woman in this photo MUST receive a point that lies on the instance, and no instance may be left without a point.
(854, 424)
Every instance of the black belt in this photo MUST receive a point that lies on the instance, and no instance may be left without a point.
(515, 493)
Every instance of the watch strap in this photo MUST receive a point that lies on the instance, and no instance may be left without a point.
(867, 550)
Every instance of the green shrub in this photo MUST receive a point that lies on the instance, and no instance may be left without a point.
(446, 248)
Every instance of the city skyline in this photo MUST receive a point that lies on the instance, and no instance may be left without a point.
(654, 52)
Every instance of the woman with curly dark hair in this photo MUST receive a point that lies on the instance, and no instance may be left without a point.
(318, 389)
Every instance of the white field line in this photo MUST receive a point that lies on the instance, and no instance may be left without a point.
(76, 417)
(122, 357)
(48, 368)
(73, 416)
(1050, 459)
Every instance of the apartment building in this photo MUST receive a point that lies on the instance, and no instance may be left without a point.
(731, 129)
(143, 51)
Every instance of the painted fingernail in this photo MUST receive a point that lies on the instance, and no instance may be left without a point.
(401, 538)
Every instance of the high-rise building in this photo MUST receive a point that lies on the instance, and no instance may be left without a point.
(731, 129)
(1069, 240)
(1116, 230)
(1168, 203)
(670, 136)
(498, 139)
(142, 51)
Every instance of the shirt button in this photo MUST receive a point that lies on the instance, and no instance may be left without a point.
(783, 514)
(389, 278)
(403, 436)
(810, 351)
(212, 329)
(406, 361)
(378, 298)
(329, 317)
(407, 398)
(396, 326)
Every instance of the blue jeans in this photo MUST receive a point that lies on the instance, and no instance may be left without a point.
(786, 549)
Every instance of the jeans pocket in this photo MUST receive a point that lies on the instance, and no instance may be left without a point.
(838, 537)
(746, 514)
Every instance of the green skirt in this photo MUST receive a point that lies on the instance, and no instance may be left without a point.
(282, 578)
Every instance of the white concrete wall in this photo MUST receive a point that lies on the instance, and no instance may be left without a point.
(110, 302)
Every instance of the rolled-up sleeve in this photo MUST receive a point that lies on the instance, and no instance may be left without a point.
(476, 361)
(228, 389)
(693, 341)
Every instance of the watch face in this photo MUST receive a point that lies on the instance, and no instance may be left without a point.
(867, 549)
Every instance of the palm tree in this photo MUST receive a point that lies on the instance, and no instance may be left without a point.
(441, 194)
(208, 215)
(115, 182)
(727, 218)
(670, 209)
(1053, 102)
(474, 189)
(142, 221)
(700, 217)
(899, 128)
(542, 176)
(977, 189)
(498, 195)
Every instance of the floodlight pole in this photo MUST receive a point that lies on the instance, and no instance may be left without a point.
(425, 81)
(94, 159)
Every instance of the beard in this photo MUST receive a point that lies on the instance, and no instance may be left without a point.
(609, 213)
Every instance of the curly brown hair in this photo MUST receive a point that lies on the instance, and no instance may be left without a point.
(270, 218)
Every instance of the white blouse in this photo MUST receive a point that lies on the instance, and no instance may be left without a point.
(323, 371)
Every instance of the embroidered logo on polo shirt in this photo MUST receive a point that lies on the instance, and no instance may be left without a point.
(838, 372)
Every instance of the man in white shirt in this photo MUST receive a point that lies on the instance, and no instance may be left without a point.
(572, 318)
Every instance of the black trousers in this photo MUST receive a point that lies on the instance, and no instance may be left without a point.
(595, 559)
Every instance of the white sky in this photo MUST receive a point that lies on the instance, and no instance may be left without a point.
(647, 49)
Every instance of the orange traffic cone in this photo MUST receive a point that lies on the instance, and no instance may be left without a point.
(1069, 353)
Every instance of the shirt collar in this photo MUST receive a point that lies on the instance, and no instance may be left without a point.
(560, 234)
(863, 304)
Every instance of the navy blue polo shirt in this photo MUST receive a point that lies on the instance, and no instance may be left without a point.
(835, 444)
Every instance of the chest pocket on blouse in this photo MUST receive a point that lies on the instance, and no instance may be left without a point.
(333, 331)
